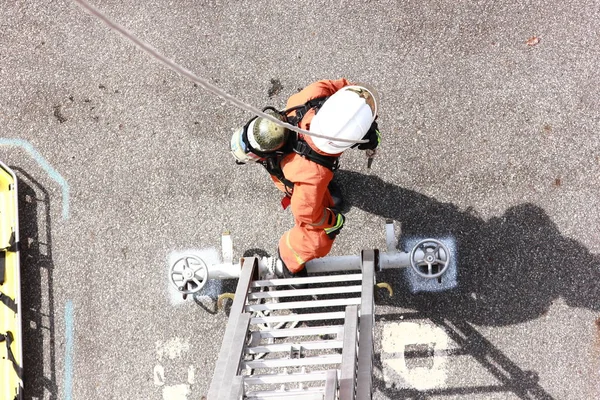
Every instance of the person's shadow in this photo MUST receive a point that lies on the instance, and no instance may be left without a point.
(510, 270)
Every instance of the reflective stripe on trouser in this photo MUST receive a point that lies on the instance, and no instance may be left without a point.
(339, 222)
(301, 244)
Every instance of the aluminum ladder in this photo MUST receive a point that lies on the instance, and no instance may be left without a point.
(337, 366)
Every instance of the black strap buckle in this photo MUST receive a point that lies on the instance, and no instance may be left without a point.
(336, 164)
(302, 148)
(302, 109)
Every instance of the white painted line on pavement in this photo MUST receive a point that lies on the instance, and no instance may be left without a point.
(176, 392)
(171, 352)
(424, 342)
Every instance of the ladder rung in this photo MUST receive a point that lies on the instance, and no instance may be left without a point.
(298, 317)
(313, 330)
(303, 304)
(309, 280)
(293, 362)
(304, 292)
(286, 347)
(269, 379)
(315, 393)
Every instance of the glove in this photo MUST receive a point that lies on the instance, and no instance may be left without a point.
(338, 225)
(373, 136)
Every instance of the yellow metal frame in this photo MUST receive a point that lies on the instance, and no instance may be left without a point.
(11, 384)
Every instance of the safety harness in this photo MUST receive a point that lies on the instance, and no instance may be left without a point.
(296, 144)
(302, 109)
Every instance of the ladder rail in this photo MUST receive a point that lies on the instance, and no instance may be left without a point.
(331, 385)
(219, 383)
(349, 351)
(342, 366)
(232, 364)
(236, 391)
(364, 374)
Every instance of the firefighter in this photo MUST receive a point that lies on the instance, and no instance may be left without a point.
(302, 166)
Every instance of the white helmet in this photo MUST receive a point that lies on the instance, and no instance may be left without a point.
(347, 114)
(258, 137)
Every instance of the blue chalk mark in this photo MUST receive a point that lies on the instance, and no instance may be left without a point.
(46, 166)
(68, 350)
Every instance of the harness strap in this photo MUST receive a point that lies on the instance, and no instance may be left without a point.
(272, 161)
(302, 109)
(273, 166)
(302, 148)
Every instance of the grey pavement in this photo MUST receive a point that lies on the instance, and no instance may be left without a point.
(486, 138)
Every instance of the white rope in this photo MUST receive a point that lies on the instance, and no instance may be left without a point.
(194, 78)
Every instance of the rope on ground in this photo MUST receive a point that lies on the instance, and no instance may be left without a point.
(384, 285)
(221, 299)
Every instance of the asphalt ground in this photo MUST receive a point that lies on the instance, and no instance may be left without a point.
(486, 139)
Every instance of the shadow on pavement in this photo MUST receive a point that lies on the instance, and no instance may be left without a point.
(510, 270)
(509, 377)
(37, 289)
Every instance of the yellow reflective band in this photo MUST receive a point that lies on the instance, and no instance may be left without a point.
(338, 224)
(299, 259)
(322, 221)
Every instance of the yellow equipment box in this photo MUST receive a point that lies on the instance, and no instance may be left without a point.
(11, 352)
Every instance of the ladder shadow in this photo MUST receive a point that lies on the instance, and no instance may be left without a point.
(470, 343)
(37, 289)
(511, 268)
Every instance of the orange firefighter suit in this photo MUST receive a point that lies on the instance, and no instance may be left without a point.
(310, 197)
